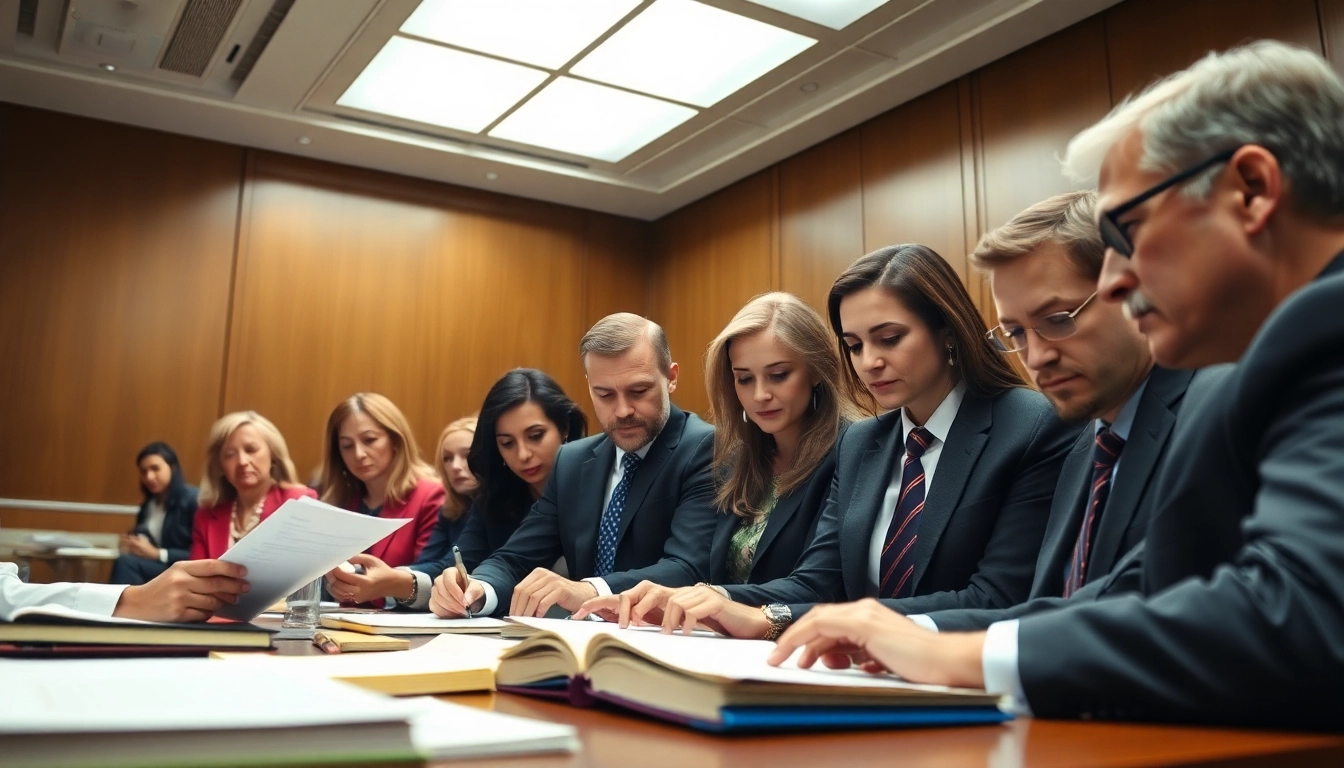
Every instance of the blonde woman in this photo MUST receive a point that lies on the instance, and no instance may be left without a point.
(248, 475)
(461, 485)
(781, 399)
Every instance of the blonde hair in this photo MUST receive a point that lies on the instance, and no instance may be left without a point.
(1068, 220)
(216, 488)
(455, 504)
(742, 448)
(617, 334)
(337, 486)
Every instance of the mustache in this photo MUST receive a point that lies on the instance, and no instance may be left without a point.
(1135, 304)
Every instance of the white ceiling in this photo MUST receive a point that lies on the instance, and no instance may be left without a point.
(288, 102)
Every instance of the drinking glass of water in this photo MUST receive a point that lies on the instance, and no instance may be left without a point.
(303, 607)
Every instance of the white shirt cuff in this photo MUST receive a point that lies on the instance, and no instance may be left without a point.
(600, 584)
(491, 600)
(163, 555)
(101, 599)
(999, 665)
(923, 621)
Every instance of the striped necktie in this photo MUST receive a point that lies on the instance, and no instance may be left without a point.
(1105, 453)
(897, 565)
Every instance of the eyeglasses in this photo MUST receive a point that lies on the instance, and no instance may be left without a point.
(1115, 237)
(1053, 327)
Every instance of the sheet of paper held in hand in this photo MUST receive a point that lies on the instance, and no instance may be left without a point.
(300, 542)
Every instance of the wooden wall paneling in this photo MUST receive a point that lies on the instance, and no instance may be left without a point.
(820, 217)
(1147, 39)
(1331, 13)
(714, 255)
(117, 249)
(359, 281)
(912, 177)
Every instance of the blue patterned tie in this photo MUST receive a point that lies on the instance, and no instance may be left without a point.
(1105, 453)
(611, 519)
(897, 564)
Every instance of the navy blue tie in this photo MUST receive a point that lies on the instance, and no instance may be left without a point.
(611, 519)
(897, 565)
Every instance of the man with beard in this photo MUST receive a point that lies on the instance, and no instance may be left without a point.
(1092, 363)
(633, 503)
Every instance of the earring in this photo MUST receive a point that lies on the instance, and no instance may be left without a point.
(745, 420)
(814, 398)
(950, 361)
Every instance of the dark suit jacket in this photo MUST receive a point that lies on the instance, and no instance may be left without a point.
(667, 522)
(179, 514)
(1242, 616)
(1124, 521)
(480, 536)
(787, 533)
(440, 546)
(982, 523)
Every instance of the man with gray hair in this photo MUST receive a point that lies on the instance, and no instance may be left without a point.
(1221, 202)
(633, 503)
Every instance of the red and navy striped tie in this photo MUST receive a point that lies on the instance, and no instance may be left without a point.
(898, 565)
(1105, 453)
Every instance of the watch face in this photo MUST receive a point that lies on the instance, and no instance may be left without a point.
(777, 612)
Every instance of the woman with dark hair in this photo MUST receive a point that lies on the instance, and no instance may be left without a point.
(524, 420)
(942, 501)
(162, 533)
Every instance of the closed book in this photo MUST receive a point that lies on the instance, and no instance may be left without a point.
(65, 651)
(721, 684)
(64, 626)
(353, 642)
(411, 624)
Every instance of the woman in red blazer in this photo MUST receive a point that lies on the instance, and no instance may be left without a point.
(248, 475)
(371, 464)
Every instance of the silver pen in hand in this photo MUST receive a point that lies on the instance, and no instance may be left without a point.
(462, 571)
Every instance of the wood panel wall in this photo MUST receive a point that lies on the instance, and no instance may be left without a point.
(948, 166)
(150, 282)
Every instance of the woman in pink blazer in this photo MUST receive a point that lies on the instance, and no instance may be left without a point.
(248, 475)
(371, 464)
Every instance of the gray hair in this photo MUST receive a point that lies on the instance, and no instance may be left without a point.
(617, 334)
(1271, 94)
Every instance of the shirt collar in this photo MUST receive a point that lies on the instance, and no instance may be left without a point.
(642, 453)
(940, 423)
(1124, 420)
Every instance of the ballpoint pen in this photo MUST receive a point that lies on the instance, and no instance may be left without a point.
(462, 571)
(325, 643)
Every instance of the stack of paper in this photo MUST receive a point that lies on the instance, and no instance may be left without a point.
(411, 624)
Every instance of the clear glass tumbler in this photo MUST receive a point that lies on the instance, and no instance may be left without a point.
(303, 608)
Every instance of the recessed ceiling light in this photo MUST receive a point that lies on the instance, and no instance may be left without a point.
(440, 86)
(547, 33)
(836, 14)
(690, 52)
(808, 87)
(109, 67)
(304, 140)
(491, 175)
(591, 120)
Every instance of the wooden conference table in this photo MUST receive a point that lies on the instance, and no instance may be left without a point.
(620, 740)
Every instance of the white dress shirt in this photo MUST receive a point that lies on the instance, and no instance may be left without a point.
(154, 517)
(999, 659)
(91, 598)
(600, 584)
(939, 424)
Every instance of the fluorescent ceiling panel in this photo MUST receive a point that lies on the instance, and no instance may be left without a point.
(591, 120)
(440, 86)
(690, 52)
(836, 14)
(547, 33)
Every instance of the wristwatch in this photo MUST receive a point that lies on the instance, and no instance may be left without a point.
(779, 616)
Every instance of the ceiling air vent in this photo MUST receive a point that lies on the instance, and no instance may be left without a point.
(27, 17)
(199, 31)
(264, 35)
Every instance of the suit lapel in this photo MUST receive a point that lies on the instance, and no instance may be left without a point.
(965, 440)
(1153, 422)
(1066, 517)
(779, 517)
(593, 476)
(859, 512)
(658, 456)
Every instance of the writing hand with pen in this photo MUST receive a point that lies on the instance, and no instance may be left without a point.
(455, 594)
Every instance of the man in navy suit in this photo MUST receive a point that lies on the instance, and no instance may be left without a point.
(1221, 202)
(1095, 366)
(633, 503)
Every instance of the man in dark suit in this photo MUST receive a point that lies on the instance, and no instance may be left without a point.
(633, 503)
(1222, 207)
(1095, 366)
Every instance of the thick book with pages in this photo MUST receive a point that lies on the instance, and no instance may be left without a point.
(58, 625)
(720, 684)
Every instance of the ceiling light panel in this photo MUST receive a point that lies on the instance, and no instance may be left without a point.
(431, 84)
(591, 120)
(547, 33)
(690, 52)
(836, 14)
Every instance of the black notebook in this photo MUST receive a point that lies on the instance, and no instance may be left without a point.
(57, 625)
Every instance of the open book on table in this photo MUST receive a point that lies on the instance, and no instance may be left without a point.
(721, 684)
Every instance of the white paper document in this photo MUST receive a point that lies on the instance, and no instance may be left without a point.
(444, 731)
(420, 623)
(301, 541)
